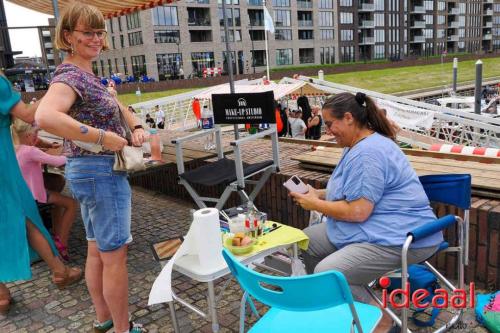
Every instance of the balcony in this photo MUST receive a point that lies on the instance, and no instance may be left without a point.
(50, 56)
(304, 4)
(454, 11)
(200, 2)
(199, 17)
(418, 24)
(454, 24)
(453, 38)
(418, 10)
(305, 23)
(488, 12)
(48, 45)
(488, 25)
(366, 7)
(366, 24)
(418, 39)
(487, 37)
(367, 41)
(254, 2)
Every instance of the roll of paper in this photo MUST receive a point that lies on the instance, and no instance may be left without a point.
(208, 238)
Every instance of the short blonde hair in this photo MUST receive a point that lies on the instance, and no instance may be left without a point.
(88, 15)
(19, 128)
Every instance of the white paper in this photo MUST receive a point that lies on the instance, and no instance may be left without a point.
(203, 240)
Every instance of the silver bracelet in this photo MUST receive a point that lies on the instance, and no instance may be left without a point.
(100, 139)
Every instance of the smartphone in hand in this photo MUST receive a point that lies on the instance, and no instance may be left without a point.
(294, 184)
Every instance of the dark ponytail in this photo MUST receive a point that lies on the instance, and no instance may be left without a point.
(363, 110)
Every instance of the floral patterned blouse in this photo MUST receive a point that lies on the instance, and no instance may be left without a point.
(94, 105)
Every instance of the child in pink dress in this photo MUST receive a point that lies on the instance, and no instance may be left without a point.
(30, 161)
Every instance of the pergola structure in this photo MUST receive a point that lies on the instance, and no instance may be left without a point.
(110, 8)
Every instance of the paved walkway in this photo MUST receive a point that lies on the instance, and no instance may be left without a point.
(40, 307)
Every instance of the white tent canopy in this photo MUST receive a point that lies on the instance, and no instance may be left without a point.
(280, 89)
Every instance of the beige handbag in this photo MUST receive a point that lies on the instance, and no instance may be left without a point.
(130, 158)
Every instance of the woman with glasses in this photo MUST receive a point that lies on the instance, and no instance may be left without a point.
(372, 200)
(80, 109)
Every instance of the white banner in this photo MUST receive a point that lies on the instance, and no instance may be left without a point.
(407, 116)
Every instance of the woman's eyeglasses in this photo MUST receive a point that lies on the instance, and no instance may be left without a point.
(101, 34)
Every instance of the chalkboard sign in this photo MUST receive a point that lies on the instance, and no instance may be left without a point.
(248, 108)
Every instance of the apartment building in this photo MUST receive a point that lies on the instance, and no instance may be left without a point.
(189, 34)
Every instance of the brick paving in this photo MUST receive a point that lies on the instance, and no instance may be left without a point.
(40, 307)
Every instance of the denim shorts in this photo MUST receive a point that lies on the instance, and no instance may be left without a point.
(105, 200)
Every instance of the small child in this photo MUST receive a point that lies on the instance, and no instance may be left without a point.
(30, 161)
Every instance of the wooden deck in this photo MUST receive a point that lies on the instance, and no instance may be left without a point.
(485, 177)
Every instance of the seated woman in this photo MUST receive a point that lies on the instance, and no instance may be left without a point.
(30, 159)
(372, 200)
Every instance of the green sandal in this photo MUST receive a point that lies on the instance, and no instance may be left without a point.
(103, 327)
(137, 328)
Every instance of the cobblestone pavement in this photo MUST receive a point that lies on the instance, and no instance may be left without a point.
(40, 307)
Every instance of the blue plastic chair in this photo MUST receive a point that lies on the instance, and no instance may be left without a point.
(312, 303)
(451, 189)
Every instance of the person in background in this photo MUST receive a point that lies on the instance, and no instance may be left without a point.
(284, 120)
(160, 117)
(305, 108)
(372, 201)
(181, 73)
(314, 124)
(30, 160)
(80, 109)
(21, 228)
(150, 121)
(297, 126)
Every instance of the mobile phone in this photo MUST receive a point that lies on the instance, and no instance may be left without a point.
(294, 184)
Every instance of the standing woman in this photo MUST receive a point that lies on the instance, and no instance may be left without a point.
(79, 108)
(20, 222)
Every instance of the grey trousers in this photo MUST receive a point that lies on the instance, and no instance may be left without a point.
(361, 263)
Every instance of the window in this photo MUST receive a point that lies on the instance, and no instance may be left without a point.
(102, 68)
(347, 53)
(306, 56)
(379, 20)
(119, 23)
(325, 4)
(168, 64)
(259, 57)
(346, 35)
(122, 41)
(256, 17)
(346, 18)
(202, 60)
(232, 16)
(441, 19)
(95, 69)
(228, 2)
(327, 55)
(346, 3)
(167, 36)
(325, 19)
(199, 36)
(116, 66)
(164, 15)
(282, 18)
(125, 66)
(234, 36)
(138, 65)
(110, 69)
(283, 34)
(281, 3)
(135, 38)
(110, 22)
(441, 5)
(429, 5)
(379, 52)
(379, 5)
(327, 34)
(284, 57)
(113, 42)
(379, 36)
(133, 21)
(257, 35)
(306, 34)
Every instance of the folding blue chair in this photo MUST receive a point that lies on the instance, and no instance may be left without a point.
(451, 189)
(312, 303)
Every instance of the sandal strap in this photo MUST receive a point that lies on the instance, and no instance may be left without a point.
(104, 326)
(137, 328)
